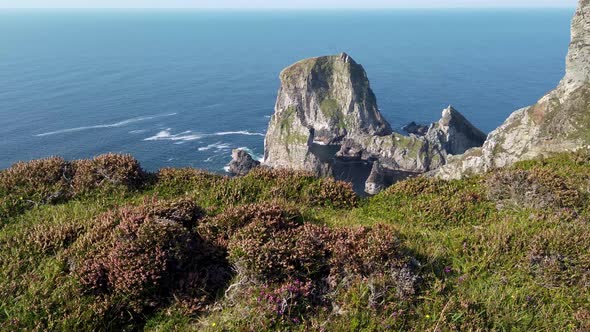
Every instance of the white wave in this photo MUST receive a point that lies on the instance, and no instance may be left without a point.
(217, 146)
(141, 131)
(166, 135)
(226, 169)
(241, 132)
(110, 125)
(255, 156)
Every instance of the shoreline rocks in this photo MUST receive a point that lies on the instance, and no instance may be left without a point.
(242, 163)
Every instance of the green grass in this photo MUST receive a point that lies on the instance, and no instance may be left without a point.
(484, 264)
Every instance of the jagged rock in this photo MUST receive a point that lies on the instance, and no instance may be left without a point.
(413, 128)
(242, 163)
(321, 101)
(376, 181)
(558, 122)
(452, 134)
(455, 133)
(326, 115)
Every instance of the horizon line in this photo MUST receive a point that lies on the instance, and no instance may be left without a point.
(293, 8)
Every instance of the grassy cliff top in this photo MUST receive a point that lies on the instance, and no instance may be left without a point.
(102, 245)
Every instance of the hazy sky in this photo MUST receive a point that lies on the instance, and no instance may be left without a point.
(280, 3)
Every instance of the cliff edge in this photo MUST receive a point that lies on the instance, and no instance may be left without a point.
(558, 122)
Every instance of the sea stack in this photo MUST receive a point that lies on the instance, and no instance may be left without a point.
(327, 121)
(321, 101)
(558, 122)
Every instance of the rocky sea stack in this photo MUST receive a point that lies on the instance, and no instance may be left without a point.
(327, 121)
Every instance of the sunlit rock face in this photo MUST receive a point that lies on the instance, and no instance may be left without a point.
(558, 122)
(327, 121)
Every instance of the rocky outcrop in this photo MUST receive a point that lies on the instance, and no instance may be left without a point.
(377, 180)
(326, 116)
(558, 122)
(452, 134)
(242, 163)
(455, 133)
(321, 101)
(413, 128)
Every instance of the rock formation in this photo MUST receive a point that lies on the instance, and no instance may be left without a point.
(558, 122)
(242, 163)
(321, 101)
(413, 128)
(327, 121)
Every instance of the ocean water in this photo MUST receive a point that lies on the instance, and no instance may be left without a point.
(182, 88)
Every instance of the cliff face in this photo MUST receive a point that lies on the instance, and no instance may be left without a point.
(326, 119)
(558, 122)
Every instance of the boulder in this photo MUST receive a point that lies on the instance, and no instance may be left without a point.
(242, 163)
(413, 128)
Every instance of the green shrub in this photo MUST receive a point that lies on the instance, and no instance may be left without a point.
(108, 169)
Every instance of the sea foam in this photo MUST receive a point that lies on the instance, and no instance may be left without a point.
(110, 125)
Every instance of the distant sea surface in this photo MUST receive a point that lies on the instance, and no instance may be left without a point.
(182, 88)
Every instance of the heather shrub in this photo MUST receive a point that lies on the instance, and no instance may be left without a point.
(43, 181)
(282, 251)
(430, 202)
(302, 187)
(331, 193)
(222, 227)
(54, 180)
(274, 253)
(536, 188)
(136, 259)
(421, 186)
(369, 252)
(107, 170)
(50, 238)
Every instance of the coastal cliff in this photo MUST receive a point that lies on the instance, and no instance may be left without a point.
(558, 122)
(327, 121)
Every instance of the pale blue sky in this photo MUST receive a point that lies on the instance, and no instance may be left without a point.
(253, 4)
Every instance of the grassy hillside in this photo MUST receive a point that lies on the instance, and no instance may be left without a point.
(102, 245)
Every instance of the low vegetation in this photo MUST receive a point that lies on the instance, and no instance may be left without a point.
(102, 245)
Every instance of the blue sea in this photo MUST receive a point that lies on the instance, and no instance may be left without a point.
(182, 88)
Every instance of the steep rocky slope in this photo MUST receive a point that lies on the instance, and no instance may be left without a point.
(557, 122)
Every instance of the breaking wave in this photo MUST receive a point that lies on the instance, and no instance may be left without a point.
(110, 125)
